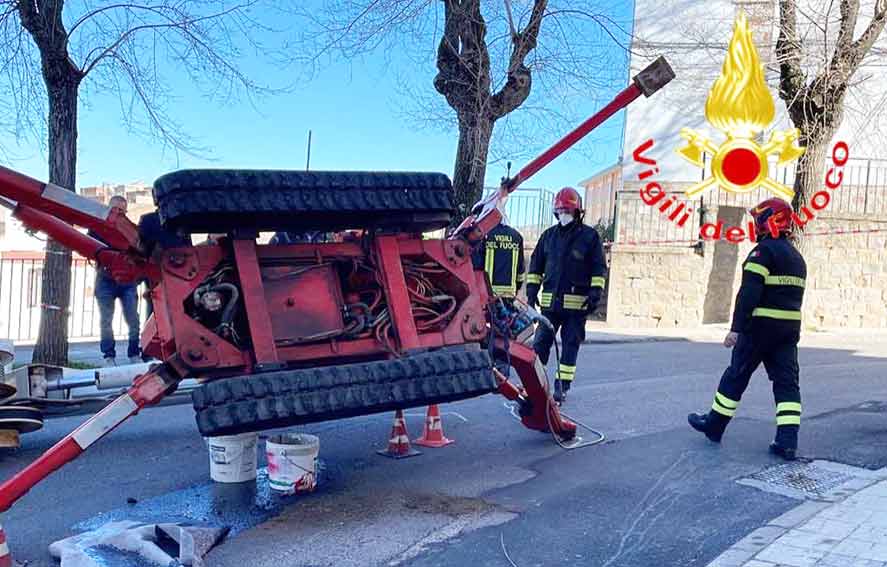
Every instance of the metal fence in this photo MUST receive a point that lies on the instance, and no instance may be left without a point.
(20, 287)
(863, 190)
(529, 211)
(636, 221)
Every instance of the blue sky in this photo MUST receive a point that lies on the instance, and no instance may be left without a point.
(354, 110)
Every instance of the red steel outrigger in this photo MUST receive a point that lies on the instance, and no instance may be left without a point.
(188, 349)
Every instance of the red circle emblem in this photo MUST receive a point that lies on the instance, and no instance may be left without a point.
(741, 166)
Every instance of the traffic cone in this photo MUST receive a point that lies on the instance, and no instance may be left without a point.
(433, 435)
(399, 443)
(5, 556)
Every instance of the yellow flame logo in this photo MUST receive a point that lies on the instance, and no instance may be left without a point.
(740, 105)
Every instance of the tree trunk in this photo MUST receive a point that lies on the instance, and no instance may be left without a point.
(52, 341)
(471, 163)
(809, 178)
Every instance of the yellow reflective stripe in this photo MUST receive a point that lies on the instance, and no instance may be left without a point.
(788, 406)
(757, 268)
(573, 301)
(788, 420)
(715, 406)
(725, 401)
(785, 280)
(534, 278)
(566, 372)
(598, 281)
(489, 261)
(521, 278)
(513, 274)
(777, 314)
(504, 290)
(546, 299)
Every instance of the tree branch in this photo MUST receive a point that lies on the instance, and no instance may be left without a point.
(517, 87)
(849, 17)
(792, 79)
(171, 23)
(867, 40)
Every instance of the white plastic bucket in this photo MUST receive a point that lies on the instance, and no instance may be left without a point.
(232, 458)
(292, 462)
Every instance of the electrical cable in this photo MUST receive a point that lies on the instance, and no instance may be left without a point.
(566, 446)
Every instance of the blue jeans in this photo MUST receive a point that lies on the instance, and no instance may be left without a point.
(107, 291)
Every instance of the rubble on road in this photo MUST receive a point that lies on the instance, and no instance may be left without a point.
(169, 545)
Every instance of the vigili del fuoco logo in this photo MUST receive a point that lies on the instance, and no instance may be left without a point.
(740, 105)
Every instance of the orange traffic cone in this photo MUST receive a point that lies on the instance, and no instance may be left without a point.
(5, 556)
(399, 443)
(433, 435)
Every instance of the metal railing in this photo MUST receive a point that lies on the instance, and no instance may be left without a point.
(529, 211)
(638, 222)
(20, 287)
(863, 190)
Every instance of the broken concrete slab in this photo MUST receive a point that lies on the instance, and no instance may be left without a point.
(167, 545)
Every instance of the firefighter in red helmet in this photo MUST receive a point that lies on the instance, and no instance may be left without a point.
(766, 328)
(568, 267)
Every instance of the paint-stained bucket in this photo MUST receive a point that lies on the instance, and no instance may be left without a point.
(292, 462)
(232, 458)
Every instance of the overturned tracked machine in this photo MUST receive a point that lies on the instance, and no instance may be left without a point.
(286, 334)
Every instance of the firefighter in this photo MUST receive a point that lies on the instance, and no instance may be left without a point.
(568, 264)
(766, 328)
(501, 256)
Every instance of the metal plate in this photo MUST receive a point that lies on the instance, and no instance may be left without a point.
(23, 419)
(304, 303)
(810, 479)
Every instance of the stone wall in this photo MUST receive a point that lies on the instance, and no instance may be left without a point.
(656, 287)
(686, 287)
(847, 279)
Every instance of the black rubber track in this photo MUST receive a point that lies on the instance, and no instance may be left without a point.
(220, 200)
(280, 399)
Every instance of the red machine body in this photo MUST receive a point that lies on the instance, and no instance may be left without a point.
(240, 311)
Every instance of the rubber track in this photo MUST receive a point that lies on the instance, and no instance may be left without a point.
(280, 399)
(216, 200)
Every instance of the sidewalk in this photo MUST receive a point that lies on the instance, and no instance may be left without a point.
(848, 533)
(598, 332)
(83, 352)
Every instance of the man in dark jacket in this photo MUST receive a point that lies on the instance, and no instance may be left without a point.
(107, 291)
(501, 256)
(766, 328)
(568, 265)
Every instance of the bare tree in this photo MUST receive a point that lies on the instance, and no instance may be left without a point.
(489, 55)
(815, 100)
(48, 50)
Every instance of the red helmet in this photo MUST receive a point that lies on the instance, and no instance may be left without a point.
(568, 198)
(771, 216)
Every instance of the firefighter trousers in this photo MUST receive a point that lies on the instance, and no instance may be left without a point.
(780, 359)
(571, 324)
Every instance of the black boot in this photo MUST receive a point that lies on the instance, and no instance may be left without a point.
(786, 443)
(786, 453)
(560, 393)
(712, 424)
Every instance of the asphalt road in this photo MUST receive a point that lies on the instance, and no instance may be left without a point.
(656, 493)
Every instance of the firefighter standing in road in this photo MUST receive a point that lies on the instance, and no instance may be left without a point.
(501, 256)
(568, 264)
(766, 328)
